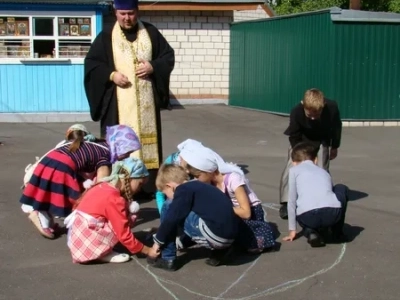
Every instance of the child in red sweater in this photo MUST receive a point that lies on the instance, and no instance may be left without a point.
(101, 219)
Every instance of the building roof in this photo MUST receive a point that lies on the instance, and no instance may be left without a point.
(345, 15)
(105, 2)
(80, 2)
(340, 15)
(206, 1)
(226, 5)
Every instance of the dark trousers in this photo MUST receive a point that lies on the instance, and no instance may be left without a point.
(322, 218)
(323, 162)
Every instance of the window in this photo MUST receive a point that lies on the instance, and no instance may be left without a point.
(39, 35)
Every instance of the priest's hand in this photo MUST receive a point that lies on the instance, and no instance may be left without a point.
(121, 80)
(144, 69)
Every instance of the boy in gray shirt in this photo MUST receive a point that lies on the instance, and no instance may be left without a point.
(313, 203)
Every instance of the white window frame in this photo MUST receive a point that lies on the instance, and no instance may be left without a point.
(56, 37)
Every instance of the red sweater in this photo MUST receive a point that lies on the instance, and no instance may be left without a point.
(105, 201)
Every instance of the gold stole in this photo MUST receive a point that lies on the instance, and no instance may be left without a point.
(136, 107)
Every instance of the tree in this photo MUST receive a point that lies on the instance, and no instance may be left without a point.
(284, 7)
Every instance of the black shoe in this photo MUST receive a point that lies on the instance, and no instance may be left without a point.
(218, 257)
(339, 237)
(283, 211)
(315, 240)
(160, 263)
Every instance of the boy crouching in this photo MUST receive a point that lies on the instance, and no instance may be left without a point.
(204, 212)
(313, 203)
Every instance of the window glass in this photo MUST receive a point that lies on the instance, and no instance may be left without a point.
(45, 36)
(43, 26)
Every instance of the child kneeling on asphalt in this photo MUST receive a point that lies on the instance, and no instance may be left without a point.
(313, 203)
(205, 213)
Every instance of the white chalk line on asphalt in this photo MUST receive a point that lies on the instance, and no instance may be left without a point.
(267, 292)
(240, 278)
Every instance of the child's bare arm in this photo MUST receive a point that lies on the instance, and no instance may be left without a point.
(243, 210)
(102, 172)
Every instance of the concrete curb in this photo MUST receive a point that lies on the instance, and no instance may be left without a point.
(63, 117)
(371, 123)
(73, 117)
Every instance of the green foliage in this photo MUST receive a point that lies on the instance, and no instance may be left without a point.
(394, 6)
(284, 7)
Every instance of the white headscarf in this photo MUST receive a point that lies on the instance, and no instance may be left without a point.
(206, 160)
(199, 157)
(225, 167)
(189, 143)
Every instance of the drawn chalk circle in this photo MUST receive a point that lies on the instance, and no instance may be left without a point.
(273, 206)
(162, 282)
(261, 143)
(266, 292)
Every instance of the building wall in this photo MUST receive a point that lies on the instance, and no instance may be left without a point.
(201, 43)
(42, 87)
(245, 15)
(201, 40)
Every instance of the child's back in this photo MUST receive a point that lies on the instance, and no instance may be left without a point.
(97, 199)
(313, 202)
(209, 203)
(313, 187)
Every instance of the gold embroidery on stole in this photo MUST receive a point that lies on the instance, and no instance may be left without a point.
(136, 107)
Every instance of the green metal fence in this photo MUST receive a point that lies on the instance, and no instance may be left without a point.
(356, 63)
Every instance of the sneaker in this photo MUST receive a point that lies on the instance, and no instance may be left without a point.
(160, 263)
(184, 242)
(115, 258)
(46, 232)
(283, 213)
(219, 256)
(315, 240)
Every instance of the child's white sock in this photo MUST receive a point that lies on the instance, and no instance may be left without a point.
(44, 219)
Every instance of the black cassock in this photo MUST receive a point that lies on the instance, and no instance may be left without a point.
(101, 92)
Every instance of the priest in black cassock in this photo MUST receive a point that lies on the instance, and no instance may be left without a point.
(127, 73)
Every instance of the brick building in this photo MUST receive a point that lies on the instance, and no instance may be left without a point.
(199, 33)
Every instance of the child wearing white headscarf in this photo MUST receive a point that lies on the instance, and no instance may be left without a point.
(175, 159)
(256, 234)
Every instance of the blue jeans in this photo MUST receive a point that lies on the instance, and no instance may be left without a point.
(190, 227)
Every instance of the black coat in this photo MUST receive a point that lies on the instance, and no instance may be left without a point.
(101, 92)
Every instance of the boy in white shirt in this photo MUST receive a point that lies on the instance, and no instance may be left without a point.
(313, 203)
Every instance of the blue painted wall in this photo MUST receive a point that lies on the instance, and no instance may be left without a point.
(42, 88)
(30, 88)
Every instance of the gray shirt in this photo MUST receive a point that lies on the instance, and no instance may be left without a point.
(310, 187)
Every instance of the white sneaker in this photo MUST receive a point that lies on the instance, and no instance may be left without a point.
(178, 242)
(115, 258)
